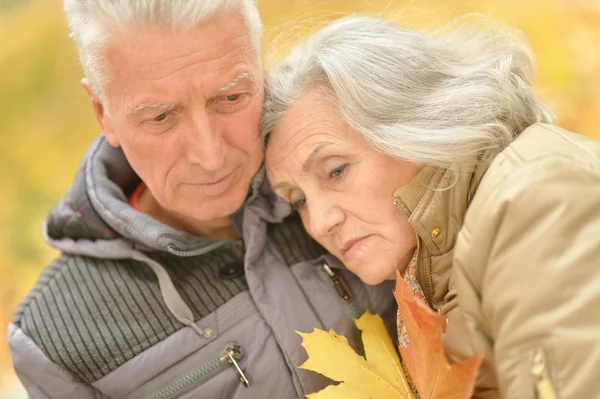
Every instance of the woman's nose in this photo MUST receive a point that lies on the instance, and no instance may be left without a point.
(324, 219)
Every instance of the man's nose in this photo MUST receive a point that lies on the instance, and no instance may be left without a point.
(325, 219)
(205, 143)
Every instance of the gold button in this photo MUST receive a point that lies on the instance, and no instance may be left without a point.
(435, 232)
(396, 201)
(208, 333)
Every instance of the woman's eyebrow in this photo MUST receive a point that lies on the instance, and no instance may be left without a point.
(280, 185)
(311, 156)
(305, 166)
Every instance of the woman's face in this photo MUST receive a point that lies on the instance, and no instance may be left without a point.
(342, 188)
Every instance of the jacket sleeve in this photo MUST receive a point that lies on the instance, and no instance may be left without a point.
(530, 284)
(42, 378)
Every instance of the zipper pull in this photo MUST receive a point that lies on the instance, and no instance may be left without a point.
(231, 355)
(542, 381)
(338, 282)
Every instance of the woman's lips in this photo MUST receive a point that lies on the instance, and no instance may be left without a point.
(351, 247)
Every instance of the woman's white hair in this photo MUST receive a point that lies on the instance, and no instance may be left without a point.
(91, 22)
(444, 98)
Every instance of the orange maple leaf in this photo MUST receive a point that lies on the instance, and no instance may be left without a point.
(424, 358)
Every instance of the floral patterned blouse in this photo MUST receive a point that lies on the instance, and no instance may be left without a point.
(410, 276)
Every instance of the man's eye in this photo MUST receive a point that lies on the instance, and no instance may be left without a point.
(231, 103)
(232, 97)
(160, 117)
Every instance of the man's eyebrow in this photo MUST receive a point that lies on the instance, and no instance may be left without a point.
(233, 83)
(311, 156)
(164, 107)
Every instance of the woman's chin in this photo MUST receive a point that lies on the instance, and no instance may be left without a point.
(371, 273)
(393, 276)
(374, 278)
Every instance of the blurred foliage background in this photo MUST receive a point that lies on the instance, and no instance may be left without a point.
(47, 124)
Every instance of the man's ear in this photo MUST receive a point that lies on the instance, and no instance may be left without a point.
(101, 114)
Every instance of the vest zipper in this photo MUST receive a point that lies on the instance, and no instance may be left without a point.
(417, 264)
(342, 288)
(543, 386)
(230, 356)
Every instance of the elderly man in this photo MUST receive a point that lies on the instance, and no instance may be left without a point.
(181, 274)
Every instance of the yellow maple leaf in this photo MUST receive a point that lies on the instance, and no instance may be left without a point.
(379, 376)
(380, 351)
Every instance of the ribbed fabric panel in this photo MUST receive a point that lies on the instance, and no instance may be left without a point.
(292, 241)
(91, 315)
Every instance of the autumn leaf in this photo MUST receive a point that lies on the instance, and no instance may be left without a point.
(424, 358)
(379, 376)
(380, 350)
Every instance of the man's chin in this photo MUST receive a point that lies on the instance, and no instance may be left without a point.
(208, 210)
(195, 205)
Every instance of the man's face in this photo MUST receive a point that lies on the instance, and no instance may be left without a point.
(185, 107)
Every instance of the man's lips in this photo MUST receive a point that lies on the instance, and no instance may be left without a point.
(216, 186)
(213, 182)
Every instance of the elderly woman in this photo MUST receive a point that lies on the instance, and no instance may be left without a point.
(431, 155)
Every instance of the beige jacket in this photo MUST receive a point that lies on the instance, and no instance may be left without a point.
(511, 256)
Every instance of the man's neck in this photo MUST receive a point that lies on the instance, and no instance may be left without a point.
(216, 229)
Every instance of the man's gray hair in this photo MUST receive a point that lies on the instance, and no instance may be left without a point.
(441, 99)
(91, 22)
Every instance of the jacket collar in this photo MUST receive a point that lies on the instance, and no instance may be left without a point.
(436, 202)
(95, 215)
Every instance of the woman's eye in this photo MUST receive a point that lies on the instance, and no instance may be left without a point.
(337, 172)
(299, 204)
(160, 117)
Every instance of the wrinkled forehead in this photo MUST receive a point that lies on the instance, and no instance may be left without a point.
(311, 122)
(219, 47)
